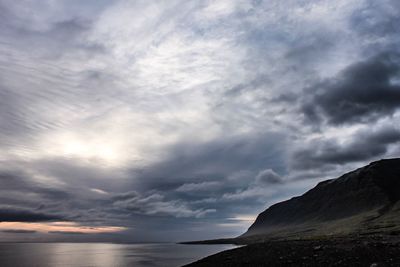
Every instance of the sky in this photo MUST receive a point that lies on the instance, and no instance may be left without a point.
(139, 121)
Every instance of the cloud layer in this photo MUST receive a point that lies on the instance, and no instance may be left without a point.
(163, 118)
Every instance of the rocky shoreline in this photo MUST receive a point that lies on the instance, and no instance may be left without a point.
(369, 251)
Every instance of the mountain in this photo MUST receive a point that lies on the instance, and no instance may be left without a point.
(353, 220)
(362, 202)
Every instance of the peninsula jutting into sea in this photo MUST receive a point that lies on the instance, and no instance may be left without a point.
(353, 220)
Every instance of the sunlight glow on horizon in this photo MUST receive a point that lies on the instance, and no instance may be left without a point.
(65, 227)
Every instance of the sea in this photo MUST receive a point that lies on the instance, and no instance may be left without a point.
(103, 254)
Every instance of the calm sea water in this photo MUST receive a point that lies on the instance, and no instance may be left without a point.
(102, 254)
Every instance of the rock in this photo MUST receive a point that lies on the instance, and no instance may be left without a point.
(317, 248)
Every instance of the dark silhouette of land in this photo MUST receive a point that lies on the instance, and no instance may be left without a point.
(353, 220)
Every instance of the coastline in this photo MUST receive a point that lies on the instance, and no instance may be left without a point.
(374, 250)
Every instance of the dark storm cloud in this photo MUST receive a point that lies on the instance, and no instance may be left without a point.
(22, 182)
(364, 146)
(18, 231)
(365, 91)
(66, 233)
(193, 178)
(20, 215)
(31, 199)
(216, 159)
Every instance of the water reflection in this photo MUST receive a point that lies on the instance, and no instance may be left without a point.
(102, 254)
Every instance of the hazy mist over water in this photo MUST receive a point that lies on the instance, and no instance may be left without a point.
(102, 254)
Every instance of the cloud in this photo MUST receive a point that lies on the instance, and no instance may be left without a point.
(18, 231)
(66, 233)
(252, 193)
(19, 215)
(267, 177)
(156, 204)
(363, 92)
(377, 20)
(194, 113)
(187, 162)
(189, 187)
(364, 145)
(261, 187)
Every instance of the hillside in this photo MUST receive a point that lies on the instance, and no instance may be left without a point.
(353, 220)
(364, 201)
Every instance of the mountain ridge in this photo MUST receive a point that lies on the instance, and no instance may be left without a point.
(356, 202)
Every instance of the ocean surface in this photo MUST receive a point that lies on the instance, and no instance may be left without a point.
(102, 254)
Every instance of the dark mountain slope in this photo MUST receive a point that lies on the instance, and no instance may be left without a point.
(353, 220)
(361, 201)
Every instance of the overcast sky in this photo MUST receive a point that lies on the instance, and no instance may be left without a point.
(180, 120)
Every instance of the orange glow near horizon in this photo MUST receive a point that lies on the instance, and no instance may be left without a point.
(66, 227)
